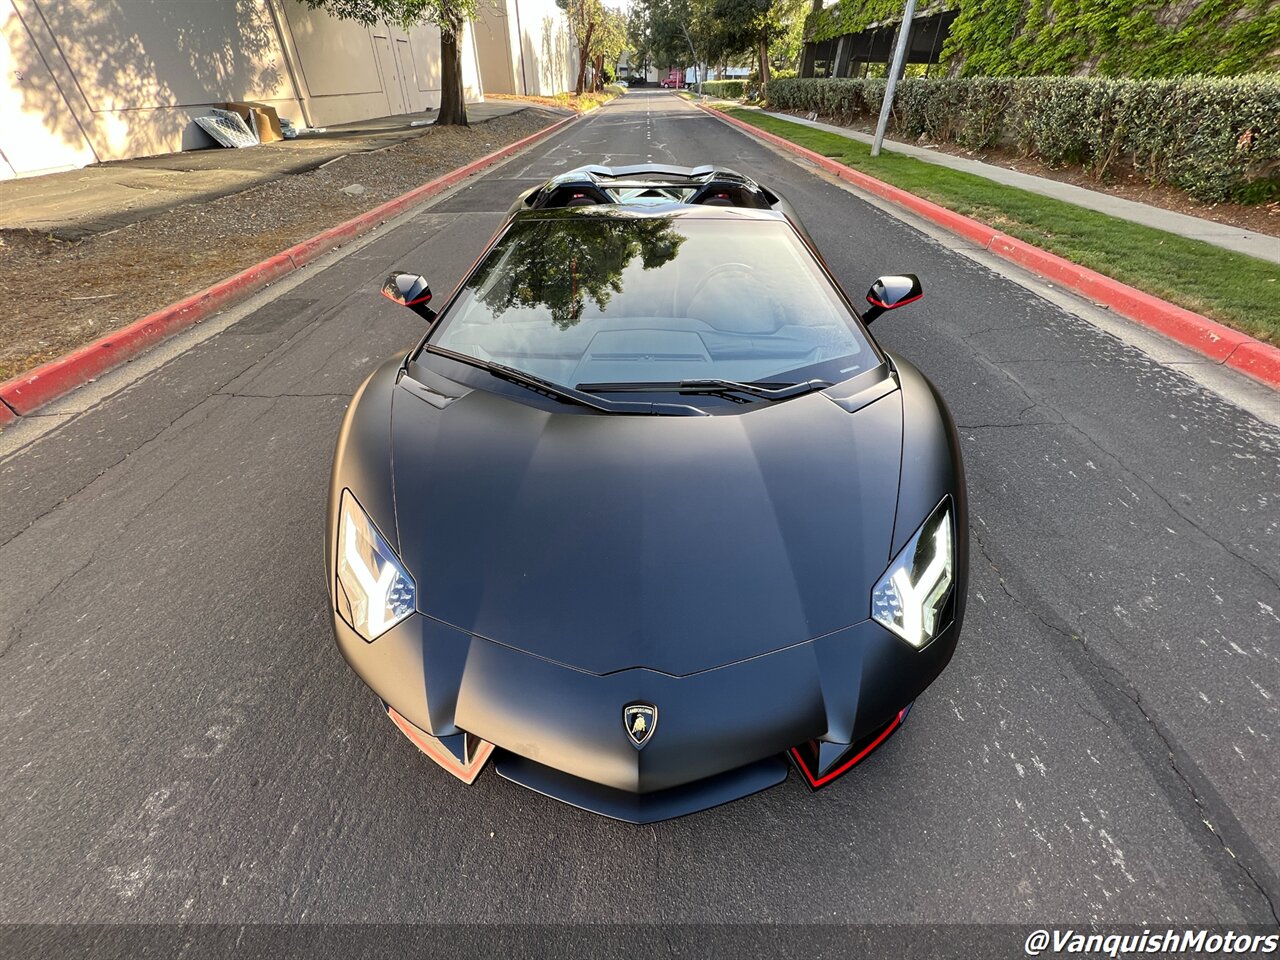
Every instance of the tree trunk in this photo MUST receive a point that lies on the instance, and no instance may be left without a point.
(598, 85)
(453, 108)
(584, 55)
(764, 69)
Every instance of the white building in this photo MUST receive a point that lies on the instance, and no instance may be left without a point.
(524, 47)
(627, 72)
(94, 80)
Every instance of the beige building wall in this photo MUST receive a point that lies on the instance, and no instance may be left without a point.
(94, 80)
(524, 47)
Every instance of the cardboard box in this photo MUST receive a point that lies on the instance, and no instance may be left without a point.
(260, 118)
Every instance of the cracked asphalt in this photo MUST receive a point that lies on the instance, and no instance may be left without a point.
(182, 740)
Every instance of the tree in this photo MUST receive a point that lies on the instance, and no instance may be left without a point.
(584, 18)
(450, 16)
(608, 41)
(669, 30)
(638, 41)
(755, 26)
(787, 46)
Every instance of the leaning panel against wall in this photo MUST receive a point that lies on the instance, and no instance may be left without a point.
(88, 80)
(128, 73)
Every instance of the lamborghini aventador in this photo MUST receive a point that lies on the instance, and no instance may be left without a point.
(647, 515)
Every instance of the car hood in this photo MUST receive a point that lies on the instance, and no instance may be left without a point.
(677, 544)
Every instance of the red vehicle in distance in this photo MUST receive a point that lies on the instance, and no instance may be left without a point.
(674, 80)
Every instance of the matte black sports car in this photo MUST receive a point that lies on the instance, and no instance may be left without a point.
(648, 512)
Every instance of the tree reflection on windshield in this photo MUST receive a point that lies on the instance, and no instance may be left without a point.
(562, 262)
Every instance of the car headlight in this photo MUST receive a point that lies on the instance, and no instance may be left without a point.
(910, 596)
(374, 591)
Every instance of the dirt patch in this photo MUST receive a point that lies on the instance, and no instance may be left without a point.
(57, 295)
(1119, 182)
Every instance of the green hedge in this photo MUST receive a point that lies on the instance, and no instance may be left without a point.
(1216, 137)
(725, 89)
(1119, 38)
(1122, 38)
(854, 16)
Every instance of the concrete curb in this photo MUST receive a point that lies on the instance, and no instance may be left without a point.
(29, 391)
(1258, 360)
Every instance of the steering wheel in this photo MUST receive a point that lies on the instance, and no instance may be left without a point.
(718, 270)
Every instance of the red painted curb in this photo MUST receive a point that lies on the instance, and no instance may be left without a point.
(27, 391)
(1257, 359)
(31, 390)
(1237, 350)
(1190, 329)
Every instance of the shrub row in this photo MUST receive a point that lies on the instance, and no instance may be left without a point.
(725, 89)
(1216, 137)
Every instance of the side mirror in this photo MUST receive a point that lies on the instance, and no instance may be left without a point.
(888, 293)
(409, 290)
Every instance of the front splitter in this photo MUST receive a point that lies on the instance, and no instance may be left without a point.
(641, 807)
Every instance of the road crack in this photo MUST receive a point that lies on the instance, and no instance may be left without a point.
(18, 624)
(157, 435)
(285, 396)
(1177, 759)
(1190, 521)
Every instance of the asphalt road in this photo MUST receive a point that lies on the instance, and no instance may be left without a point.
(182, 741)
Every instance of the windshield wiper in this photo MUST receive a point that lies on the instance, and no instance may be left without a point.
(714, 387)
(565, 394)
(520, 378)
(756, 390)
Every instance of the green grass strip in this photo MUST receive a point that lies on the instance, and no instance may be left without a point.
(1238, 290)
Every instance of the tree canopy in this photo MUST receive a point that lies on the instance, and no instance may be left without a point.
(609, 40)
(678, 32)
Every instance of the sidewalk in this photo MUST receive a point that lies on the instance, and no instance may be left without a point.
(176, 262)
(1219, 234)
(76, 204)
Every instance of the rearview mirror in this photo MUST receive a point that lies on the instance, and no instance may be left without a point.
(409, 290)
(888, 293)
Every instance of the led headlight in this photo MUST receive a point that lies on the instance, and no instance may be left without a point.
(910, 596)
(374, 590)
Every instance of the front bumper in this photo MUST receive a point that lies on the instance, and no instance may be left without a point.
(721, 733)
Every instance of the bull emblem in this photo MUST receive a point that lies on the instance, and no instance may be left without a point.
(639, 720)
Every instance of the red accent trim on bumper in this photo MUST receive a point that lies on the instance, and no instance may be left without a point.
(432, 748)
(823, 780)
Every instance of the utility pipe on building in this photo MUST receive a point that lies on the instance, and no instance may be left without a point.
(899, 55)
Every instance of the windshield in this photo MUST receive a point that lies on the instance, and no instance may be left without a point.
(589, 299)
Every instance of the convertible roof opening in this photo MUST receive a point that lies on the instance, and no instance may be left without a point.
(649, 184)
